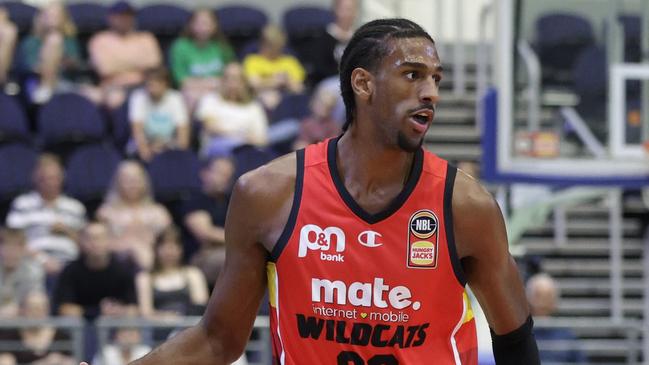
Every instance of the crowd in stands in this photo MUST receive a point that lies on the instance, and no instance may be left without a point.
(132, 253)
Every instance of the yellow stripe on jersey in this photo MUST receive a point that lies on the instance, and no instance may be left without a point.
(271, 273)
(469, 311)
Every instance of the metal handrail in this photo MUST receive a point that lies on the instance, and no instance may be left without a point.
(482, 62)
(533, 68)
(73, 324)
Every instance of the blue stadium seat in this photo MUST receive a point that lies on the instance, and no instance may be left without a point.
(21, 14)
(120, 127)
(17, 161)
(13, 120)
(241, 24)
(292, 106)
(560, 38)
(632, 26)
(69, 119)
(174, 175)
(591, 85)
(89, 171)
(88, 17)
(247, 158)
(163, 19)
(304, 21)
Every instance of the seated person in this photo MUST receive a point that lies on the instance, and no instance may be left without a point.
(170, 289)
(199, 56)
(127, 346)
(36, 342)
(542, 294)
(158, 116)
(231, 117)
(321, 124)
(271, 71)
(97, 283)
(50, 219)
(120, 55)
(20, 274)
(204, 215)
(8, 36)
(133, 218)
(52, 52)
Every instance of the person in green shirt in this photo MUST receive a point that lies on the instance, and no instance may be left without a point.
(51, 51)
(199, 56)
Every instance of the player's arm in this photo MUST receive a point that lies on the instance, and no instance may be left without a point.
(225, 328)
(491, 272)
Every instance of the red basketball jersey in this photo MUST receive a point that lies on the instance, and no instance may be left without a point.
(348, 287)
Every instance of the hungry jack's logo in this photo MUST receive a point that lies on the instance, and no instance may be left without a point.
(422, 240)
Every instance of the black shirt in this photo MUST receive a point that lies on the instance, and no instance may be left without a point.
(217, 208)
(80, 285)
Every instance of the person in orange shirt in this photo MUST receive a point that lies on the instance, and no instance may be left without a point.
(121, 55)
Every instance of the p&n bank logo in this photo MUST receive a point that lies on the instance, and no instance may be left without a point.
(312, 237)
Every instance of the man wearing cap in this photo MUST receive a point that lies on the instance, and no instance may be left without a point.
(121, 54)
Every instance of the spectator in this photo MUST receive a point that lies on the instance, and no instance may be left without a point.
(271, 71)
(132, 217)
(36, 342)
(232, 116)
(542, 294)
(320, 125)
(158, 116)
(51, 220)
(126, 347)
(327, 48)
(121, 55)
(8, 36)
(97, 283)
(51, 52)
(19, 273)
(199, 56)
(204, 216)
(170, 289)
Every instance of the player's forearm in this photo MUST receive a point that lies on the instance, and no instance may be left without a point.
(192, 347)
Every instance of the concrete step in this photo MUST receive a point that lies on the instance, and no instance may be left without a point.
(580, 247)
(456, 151)
(446, 133)
(558, 267)
(597, 307)
(573, 287)
(588, 227)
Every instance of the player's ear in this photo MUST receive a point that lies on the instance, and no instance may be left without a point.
(362, 83)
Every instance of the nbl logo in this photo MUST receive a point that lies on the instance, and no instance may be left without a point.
(422, 240)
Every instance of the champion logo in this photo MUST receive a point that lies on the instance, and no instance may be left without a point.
(369, 239)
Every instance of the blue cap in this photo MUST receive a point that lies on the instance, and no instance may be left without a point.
(121, 7)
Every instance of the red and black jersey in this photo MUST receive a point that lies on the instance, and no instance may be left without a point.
(349, 287)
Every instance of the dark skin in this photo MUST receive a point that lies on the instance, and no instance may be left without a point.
(407, 78)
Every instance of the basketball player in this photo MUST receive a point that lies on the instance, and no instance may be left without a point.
(366, 241)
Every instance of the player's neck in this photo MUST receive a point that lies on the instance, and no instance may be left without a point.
(370, 163)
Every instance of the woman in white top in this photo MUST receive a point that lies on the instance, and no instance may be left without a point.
(233, 116)
(132, 215)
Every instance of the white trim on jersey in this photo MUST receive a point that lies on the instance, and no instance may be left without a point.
(282, 356)
(456, 353)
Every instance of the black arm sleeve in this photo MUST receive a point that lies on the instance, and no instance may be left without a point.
(517, 347)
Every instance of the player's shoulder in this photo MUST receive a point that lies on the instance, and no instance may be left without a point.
(274, 179)
(470, 197)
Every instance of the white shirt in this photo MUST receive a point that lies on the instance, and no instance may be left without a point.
(32, 214)
(246, 122)
(160, 119)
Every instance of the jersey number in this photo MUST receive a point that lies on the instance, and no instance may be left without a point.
(352, 358)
